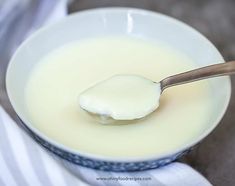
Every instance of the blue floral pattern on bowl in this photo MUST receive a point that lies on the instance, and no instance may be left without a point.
(70, 160)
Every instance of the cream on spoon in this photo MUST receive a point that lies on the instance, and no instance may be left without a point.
(122, 97)
(129, 97)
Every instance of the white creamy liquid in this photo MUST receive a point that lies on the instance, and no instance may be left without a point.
(52, 92)
(122, 97)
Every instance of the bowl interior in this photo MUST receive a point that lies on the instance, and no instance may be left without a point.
(115, 21)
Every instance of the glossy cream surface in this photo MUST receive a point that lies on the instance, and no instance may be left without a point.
(122, 97)
(52, 93)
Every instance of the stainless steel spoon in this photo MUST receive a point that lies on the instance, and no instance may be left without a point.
(221, 69)
(216, 70)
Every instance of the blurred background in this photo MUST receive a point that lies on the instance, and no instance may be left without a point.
(215, 156)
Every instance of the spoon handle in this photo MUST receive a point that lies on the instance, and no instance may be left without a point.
(199, 74)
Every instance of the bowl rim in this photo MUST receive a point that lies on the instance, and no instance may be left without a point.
(106, 158)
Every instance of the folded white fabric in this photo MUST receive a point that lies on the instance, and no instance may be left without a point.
(24, 163)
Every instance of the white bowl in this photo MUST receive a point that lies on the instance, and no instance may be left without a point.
(113, 21)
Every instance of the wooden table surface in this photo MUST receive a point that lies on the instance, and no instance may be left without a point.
(215, 156)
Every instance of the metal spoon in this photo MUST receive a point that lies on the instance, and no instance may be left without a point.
(222, 69)
(216, 70)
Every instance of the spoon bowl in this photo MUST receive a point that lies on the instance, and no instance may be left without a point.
(105, 115)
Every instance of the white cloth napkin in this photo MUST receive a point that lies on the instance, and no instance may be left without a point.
(24, 163)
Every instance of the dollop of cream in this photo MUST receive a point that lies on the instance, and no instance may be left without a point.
(122, 97)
